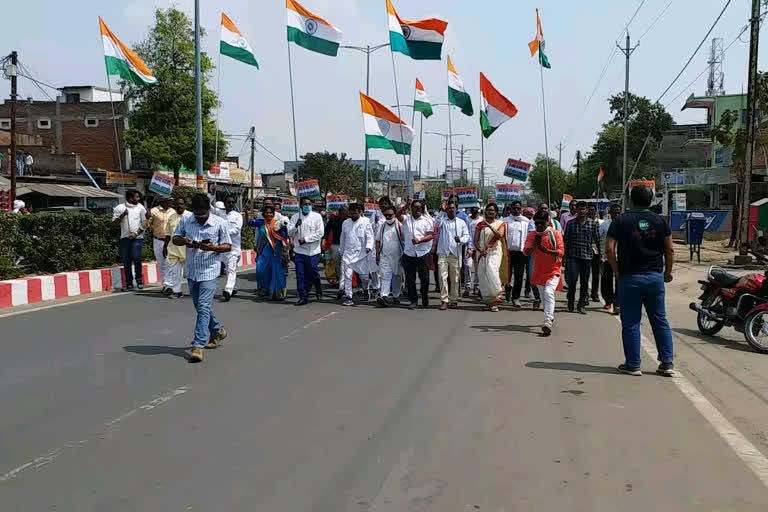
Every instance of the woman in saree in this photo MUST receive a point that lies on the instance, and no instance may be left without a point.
(271, 237)
(493, 260)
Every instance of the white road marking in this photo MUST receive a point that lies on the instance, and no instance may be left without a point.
(747, 452)
(317, 321)
(150, 405)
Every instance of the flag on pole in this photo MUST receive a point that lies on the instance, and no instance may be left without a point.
(457, 95)
(495, 109)
(311, 31)
(123, 61)
(420, 40)
(538, 45)
(383, 129)
(233, 44)
(600, 175)
(421, 103)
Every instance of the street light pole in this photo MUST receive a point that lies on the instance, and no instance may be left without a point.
(198, 103)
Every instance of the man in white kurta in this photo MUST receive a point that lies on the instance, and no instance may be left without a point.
(389, 254)
(356, 245)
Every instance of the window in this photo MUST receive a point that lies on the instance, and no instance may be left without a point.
(73, 97)
(5, 124)
(91, 122)
(44, 123)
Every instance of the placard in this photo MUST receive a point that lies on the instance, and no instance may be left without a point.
(116, 178)
(161, 184)
(337, 202)
(565, 205)
(517, 169)
(447, 193)
(290, 206)
(467, 195)
(507, 192)
(309, 188)
(420, 195)
(371, 209)
(639, 183)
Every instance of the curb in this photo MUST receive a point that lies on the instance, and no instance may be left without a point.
(31, 290)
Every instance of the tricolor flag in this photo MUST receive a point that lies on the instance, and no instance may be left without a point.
(538, 45)
(233, 44)
(600, 175)
(421, 40)
(311, 31)
(123, 61)
(383, 129)
(495, 109)
(421, 103)
(456, 93)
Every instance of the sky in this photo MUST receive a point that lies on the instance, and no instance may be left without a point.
(63, 47)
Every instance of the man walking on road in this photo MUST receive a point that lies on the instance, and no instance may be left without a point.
(581, 235)
(568, 216)
(645, 259)
(517, 231)
(389, 255)
(597, 258)
(608, 286)
(175, 254)
(206, 236)
(418, 232)
(232, 258)
(452, 234)
(332, 235)
(546, 246)
(157, 219)
(306, 228)
(356, 244)
(130, 215)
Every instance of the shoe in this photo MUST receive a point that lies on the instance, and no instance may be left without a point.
(516, 304)
(546, 329)
(626, 370)
(382, 302)
(595, 298)
(616, 310)
(234, 292)
(453, 305)
(128, 288)
(227, 296)
(443, 306)
(140, 286)
(196, 355)
(319, 293)
(536, 305)
(570, 306)
(348, 302)
(396, 301)
(175, 295)
(339, 295)
(302, 302)
(581, 310)
(466, 294)
(494, 309)
(425, 303)
(666, 369)
(215, 341)
(413, 305)
(166, 290)
(608, 307)
(508, 295)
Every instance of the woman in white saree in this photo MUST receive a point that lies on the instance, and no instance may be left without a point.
(493, 260)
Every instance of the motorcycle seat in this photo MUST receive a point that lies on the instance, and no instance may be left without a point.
(725, 279)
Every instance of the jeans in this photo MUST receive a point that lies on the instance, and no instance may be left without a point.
(202, 293)
(436, 271)
(636, 291)
(597, 269)
(306, 273)
(517, 263)
(608, 286)
(578, 270)
(130, 253)
(528, 270)
(414, 265)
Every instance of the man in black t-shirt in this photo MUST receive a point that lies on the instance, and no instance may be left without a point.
(645, 258)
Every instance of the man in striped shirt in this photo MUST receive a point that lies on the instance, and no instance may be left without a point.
(205, 236)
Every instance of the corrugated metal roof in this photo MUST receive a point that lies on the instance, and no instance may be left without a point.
(52, 190)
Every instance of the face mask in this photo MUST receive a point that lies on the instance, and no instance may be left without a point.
(306, 210)
(390, 221)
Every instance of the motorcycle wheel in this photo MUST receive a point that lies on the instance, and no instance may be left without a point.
(705, 324)
(756, 331)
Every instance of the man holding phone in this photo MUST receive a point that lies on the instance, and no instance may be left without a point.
(205, 236)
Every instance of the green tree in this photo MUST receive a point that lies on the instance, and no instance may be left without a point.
(434, 196)
(559, 180)
(336, 174)
(163, 118)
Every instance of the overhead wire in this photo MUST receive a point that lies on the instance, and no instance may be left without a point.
(663, 11)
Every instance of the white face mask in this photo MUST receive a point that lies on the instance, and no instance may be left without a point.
(390, 221)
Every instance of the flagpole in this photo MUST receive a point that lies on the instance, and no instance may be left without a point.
(421, 139)
(546, 140)
(114, 124)
(293, 113)
(218, 103)
(482, 164)
(450, 128)
(409, 193)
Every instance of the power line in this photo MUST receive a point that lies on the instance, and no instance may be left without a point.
(663, 11)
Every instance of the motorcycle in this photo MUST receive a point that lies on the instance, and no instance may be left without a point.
(738, 302)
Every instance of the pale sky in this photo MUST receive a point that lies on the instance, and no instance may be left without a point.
(60, 43)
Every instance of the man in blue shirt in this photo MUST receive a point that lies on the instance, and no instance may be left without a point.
(205, 236)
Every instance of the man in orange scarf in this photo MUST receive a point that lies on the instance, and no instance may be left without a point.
(546, 245)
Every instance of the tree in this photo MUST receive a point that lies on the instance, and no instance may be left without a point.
(163, 118)
(560, 181)
(335, 174)
(433, 196)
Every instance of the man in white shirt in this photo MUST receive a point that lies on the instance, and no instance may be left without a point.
(452, 234)
(418, 232)
(389, 255)
(356, 245)
(130, 215)
(306, 228)
(232, 258)
(470, 278)
(517, 231)
(609, 288)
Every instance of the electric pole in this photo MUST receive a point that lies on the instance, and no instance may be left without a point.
(744, 256)
(560, 155)
(14, 158)
(628, 51)
(253, 160)
(578, 167)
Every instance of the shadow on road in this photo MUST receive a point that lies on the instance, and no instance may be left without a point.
(572, 367)
(713, 340)
(156, 350)
(498, 328)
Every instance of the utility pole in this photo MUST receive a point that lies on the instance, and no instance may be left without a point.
(253, 160)
(14, 159)
(461, 161)
(560, 155)
(198, 103)
(628, 51)
(744, 256)
(578, 167)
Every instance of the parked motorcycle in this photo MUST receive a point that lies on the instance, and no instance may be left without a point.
(738, 302)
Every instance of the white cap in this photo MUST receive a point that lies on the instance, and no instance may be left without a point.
(18, 203)
(218, 205)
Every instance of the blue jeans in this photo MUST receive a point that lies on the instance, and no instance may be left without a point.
(636, 291)
(306, 272)
(130, 253)
(202, 293)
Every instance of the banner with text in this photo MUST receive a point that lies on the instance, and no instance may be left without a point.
(370, 209)
(517, 169)
(507, 192)
(116, 178)
(309, 188)
(447, 193)
(161, 184)
(467, 195)
(336, 203)
(290, 206)
(639, 183)
(565, 205)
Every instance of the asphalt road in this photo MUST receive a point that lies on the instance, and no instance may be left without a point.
(328, 409)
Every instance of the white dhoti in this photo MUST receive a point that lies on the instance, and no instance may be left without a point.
(162, 262)
(361, 267)
(174, 276)
(391, 276)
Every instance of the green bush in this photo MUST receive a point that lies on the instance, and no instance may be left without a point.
(9, 238)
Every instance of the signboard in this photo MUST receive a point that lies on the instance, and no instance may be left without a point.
(673, 178)
(566, 203)
(517, 169)
(220, 170)
(420, 195)
(290, 206)
(336, 203)
(116, 178)
(447, 193)
(717, 220)
(679, 201)
(467, 195)
(639, 183)
(309, 188)
(161, 184)
(371, 209)
(507, 192)
(5, 200)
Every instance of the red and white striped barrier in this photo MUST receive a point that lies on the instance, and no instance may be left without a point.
(30, 290)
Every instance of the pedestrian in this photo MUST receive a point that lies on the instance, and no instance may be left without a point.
(175, 255)
(453, 234)
(580, 236)
(130, 215)
(389, 256)
(642, 241)
(608, 287)
(418, 233)
(332, 235)
(566, 217)
(517, 231)
(206, 237)
(466, 248)
(492, 261)
(20, 163)
(306, 229)
(470, 277)
(545, 246)
(597, 255)
(157, 221)
(357, 242)
(271, 252)
(528, 213)
(232, 258)
(543, 207)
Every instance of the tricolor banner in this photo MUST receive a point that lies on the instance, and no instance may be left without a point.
(565, 205)
(233, 44)
(371, 209)
(123, 61)
(383, 129)
(337, 202)
(290, 206)
(309, 188)
(517, 169)
(447, 193)
(507, 192)
(420, 40)
(161, 184)
(310, 31)
(642, 183)
(467, 196)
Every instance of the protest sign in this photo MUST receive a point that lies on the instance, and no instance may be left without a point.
(161, 184)
(507, 192)
(467, 195)
(640, 183)
(447, 193)
(517, 169)
(565, 205)
(337, 202)
(290, 206)
(420, 195)
(370, 209)
(309, 188)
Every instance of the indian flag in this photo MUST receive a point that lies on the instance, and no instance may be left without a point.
(233, 44)
(495, 109)
(538, 45)
(311, 31)
(421, 40)
(383, 129)
(123, 61)
(421, 102)
(600, 175)
(457, 95)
